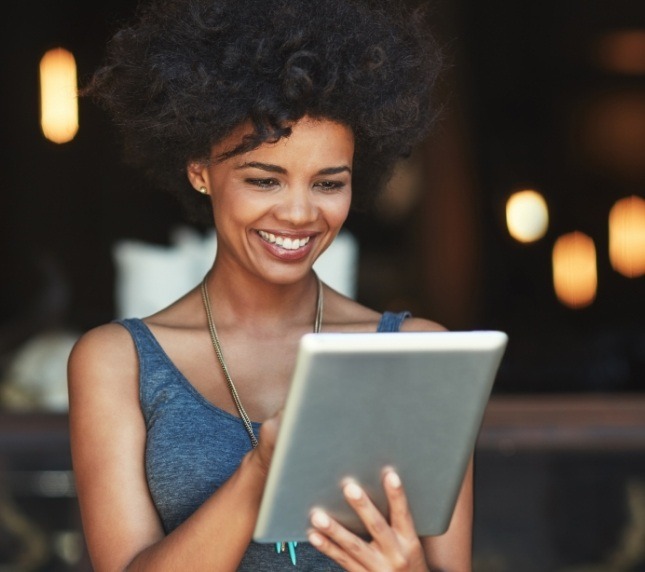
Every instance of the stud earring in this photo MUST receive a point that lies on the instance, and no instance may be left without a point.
(203, 190)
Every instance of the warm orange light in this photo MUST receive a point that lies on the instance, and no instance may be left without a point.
(623, 51)
(527, 216)
(58, 96)
(627, 236)
(575, 276)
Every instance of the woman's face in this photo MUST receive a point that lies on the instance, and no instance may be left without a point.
(278, 207)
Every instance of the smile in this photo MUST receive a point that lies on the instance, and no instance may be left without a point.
(288, 243)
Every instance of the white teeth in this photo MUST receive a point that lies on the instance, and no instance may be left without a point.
(267, 236)
(285, 242)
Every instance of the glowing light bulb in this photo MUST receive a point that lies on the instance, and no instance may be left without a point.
(627, 236)
(527, 216)
(575, 276)
(58, 96)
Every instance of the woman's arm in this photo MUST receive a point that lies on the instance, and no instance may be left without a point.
(107, 430)
(452, 551)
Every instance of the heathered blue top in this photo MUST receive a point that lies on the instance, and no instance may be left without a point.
(193, 447)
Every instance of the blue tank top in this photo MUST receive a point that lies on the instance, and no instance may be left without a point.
(193, 447)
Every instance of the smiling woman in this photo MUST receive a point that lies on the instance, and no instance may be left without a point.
(273, 136)
(281, 202)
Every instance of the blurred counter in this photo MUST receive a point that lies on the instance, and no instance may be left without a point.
(543, 462)
(564, 422)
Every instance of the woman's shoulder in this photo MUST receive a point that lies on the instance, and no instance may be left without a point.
(101, 353)
(103, 381)
(106, 339)
(349, 315)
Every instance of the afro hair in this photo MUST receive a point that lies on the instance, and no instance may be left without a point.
(183, 74)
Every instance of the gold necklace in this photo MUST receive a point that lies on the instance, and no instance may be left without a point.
(280, 546)
(220, 357)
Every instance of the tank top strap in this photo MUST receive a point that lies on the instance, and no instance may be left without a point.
(391, 321)
(150, 354)
(140, 333)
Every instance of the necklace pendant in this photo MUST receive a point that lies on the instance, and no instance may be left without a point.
(290, 546)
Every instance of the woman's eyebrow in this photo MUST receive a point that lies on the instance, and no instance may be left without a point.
(277, 169)
(335, 170)
(264, 166)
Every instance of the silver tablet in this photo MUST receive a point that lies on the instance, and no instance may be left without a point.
(361, 401)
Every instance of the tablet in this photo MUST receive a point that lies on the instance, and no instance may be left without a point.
(361, 401)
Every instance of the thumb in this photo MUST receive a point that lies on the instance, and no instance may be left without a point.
(268, 435)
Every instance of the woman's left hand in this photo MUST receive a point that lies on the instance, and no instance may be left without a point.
(394, 544)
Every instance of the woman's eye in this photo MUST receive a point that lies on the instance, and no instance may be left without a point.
(262, 183)
(330, 185)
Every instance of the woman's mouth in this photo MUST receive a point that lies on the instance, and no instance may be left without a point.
(286, 242)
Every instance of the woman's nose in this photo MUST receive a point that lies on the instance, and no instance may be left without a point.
(297, 206)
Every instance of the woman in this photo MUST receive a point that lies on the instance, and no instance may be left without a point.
(275, 117)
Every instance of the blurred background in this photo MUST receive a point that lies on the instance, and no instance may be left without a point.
(525, 212)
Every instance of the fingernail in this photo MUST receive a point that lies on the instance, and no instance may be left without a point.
(393, 480)
(315, 539)
(320, 519)
(353, 491)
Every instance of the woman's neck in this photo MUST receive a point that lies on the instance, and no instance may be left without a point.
(245, 298)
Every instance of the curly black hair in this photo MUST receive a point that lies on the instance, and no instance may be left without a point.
(184, 73)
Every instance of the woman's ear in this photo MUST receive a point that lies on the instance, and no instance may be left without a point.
(198, 176)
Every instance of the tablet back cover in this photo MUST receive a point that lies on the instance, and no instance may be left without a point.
(360, 402)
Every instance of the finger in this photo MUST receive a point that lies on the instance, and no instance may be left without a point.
(334, 540)
(267, 439)
(271, 426)
(400, 517)
(333, 551)
(375, 522)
